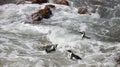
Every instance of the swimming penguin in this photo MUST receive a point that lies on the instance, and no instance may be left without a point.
(83, 35)
(73, 56)
(51, 49)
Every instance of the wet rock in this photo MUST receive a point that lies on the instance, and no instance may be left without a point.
(50, 6)
(117, 60)
(24, 2)
(95, 2)
(2, 2)
(46, 12)
(43, 13)
(62, 2)
(83, 11)
(36, 17)
(39, 1)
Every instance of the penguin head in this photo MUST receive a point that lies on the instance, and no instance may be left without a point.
(56, 45)
(69, 51)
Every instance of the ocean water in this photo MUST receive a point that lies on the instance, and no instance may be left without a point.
(21, 43)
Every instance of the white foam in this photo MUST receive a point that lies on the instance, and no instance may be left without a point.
(62, 28)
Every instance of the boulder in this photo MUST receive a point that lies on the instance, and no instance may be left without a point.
(2, 2)
(39, 1)
(83, 11)
(46, 12)
(62, 2)
(43, 13)
(50, 6)
(117, 60)
(36, 17)
(95, 2)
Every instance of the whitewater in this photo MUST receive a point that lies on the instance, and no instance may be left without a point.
(21, 43)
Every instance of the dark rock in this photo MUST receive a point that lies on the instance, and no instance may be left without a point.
(50, 6)
(96, 3)
(2, 2)
(39, 1)
(36, 17)
(43, 13)
(83, 11)
(117, 60)
(46, 12)
(62, 2)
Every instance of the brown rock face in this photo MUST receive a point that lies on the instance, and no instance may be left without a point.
(43, 13)
(2, 2)
(50, 6)
(46, 12)
(83, 11)
(95, 3)
(36, 17)
(62, 2)
(117, 60)
(39, 1)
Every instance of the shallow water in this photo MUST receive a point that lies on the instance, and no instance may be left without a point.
(21, 44)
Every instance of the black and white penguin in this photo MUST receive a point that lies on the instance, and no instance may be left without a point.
(51, 49)
(73, 56)
(84, 35)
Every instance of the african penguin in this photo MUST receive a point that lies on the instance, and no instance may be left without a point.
(51, 49)
(73, 56)
(84, 35)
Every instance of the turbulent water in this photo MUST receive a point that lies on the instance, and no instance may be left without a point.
(21, 43)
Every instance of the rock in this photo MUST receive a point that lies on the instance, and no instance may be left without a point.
(50, 6)
(62, 2)
(95, 3)
(46, 12)
(39, 1)
(36, 17)
(117, 60)
(43, 13)
(2, 2)
(83, 11)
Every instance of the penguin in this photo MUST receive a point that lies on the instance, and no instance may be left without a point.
(51, 49)
(72, 55)
(84, 35)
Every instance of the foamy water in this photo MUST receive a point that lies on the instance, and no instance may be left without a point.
(21, 43)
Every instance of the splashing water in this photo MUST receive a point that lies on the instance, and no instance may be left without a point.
(21, 45)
